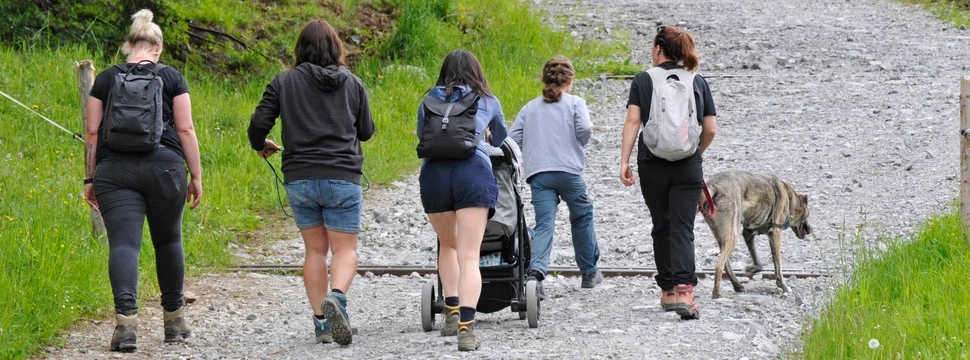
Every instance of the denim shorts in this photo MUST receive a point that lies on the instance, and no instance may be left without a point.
(451, 185)
(335, 204)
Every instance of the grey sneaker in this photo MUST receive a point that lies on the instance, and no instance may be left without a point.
(590, 281)
(335, 309)
(321, 329)
(449, 321)
(467, 340)
(124, 336)
(537, 276)
(175, 327)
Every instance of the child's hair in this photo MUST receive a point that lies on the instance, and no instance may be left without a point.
(319, 44)
(144, 34)
(677, 45)
(462, 68)
(555, 75)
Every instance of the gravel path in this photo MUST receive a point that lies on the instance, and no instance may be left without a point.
(854, 103)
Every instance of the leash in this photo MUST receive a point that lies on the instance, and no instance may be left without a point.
(279, 181)
(710, 202)
(73, 134)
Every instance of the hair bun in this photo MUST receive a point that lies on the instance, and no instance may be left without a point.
(143, 15)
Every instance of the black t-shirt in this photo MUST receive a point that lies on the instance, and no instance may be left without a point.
(174, 86)
(642, 89)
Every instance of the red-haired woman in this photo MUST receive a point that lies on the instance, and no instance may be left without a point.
(671, 189)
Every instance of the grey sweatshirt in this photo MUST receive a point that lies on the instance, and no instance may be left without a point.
(552, 136)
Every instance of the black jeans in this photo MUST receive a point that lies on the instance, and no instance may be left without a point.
(130, 187)
(671, 190)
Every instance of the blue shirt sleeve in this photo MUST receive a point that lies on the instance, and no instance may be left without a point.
(497, 125)
(420, 119)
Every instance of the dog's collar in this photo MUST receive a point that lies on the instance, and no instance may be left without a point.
(784, 226)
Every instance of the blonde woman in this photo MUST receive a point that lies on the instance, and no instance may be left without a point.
(127, 185)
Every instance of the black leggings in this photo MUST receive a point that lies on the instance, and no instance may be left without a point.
(130, 187)
(671, 190)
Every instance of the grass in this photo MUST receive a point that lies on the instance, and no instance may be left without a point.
(52, 272)
(910, 302)
(955, 12)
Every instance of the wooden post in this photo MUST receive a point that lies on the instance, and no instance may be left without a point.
(85, 80)
(965, 153)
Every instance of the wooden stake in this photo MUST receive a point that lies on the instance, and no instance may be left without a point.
(85, 80)
(965, 153)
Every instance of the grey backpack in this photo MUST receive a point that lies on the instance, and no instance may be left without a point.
(133, 116)
(672, 132)
(448, 130)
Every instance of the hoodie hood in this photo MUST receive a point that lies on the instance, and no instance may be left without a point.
(328, 78)
(440, 91)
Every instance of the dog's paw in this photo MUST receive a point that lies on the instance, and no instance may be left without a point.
(716, 295)
(738, 288)
(779, 291)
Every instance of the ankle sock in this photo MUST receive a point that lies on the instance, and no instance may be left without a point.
(337, 291)
(451, 301)
(466, 314)
(319, 317)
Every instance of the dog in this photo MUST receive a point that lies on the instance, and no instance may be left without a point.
(749, 204)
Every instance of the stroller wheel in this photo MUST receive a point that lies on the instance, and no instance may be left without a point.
(522, 315)
(532, 303)
(427, 307)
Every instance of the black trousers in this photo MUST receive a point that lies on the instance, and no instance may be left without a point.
(130, 187)
(671, 190)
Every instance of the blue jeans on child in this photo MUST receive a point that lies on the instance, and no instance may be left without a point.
(547, 189)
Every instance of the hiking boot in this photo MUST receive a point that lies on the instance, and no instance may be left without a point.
(467, 340)
(175, 327)
(667, 299)
(335, 309)
(449, 321)
(124, 337)
(538, 277)
(590, 281)
(684, 303)
(321, 329)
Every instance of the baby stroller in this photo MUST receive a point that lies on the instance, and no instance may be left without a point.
(505, 253)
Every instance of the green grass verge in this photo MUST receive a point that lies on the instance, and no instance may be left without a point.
(956, 12)
(52, 272)
(910, 302)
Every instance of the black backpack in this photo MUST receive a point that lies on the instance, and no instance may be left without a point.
(133, 118)
(449, 128)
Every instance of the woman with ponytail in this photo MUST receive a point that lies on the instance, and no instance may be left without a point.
(552, 131)
(127, 185)
(671, 189)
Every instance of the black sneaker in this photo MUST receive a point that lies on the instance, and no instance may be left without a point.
(590, 281)
(537, 276)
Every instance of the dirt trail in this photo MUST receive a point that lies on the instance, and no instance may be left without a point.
(855, 103)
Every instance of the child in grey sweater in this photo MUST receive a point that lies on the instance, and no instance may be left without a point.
(552, 131)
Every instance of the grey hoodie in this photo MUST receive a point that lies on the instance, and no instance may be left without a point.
(325, 116)
(552, 136)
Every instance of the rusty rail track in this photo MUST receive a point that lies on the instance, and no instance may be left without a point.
(565, 271)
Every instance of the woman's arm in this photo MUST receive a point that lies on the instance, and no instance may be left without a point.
(182, 108)
(498, 131)
(630, 128)
(95, 113)
(584, 127)
(708, 129)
